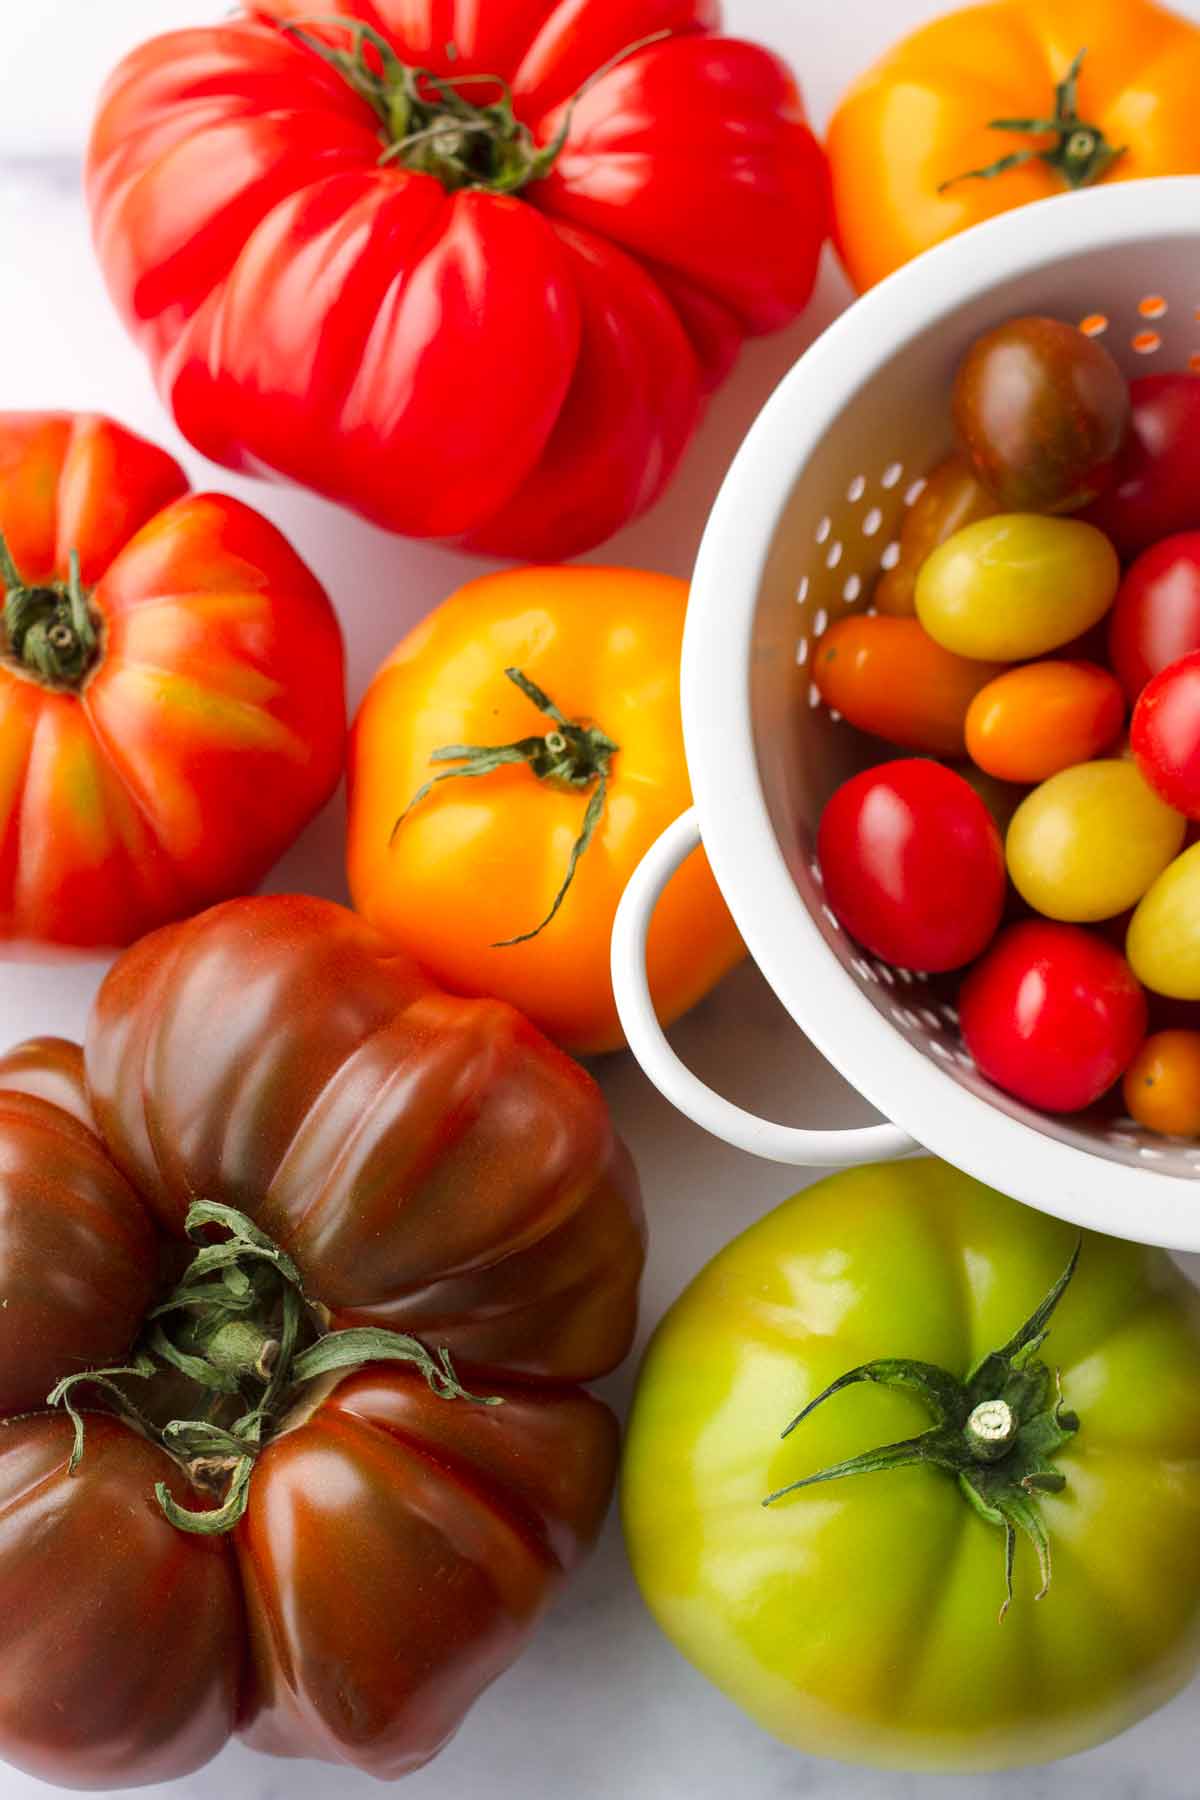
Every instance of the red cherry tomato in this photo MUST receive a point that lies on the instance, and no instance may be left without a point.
(1156, 617)
(1156, 490)
(1165, 735)
(913, 865)
(1053, 1015)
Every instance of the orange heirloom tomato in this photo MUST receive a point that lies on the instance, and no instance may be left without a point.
(468, 875)
(889, 678)
(172, 703)
(911, 138)
(953, 496)
(1034, 721)
(1162, 1084)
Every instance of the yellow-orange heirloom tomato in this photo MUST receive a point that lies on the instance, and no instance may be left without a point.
(477, 862)
(921, 117)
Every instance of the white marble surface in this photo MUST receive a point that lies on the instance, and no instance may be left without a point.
(602, 1708)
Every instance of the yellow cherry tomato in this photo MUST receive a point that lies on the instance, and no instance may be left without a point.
(1162, 1084)
(1163, 942)
(479, 862)
(1089, 842)
(953, 496)
(1017, 585)
(1031, 722)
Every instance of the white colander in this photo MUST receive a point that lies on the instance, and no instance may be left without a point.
(808, 515)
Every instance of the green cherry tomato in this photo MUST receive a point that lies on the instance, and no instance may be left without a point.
(1163, 944)
(1016, 586)
(1087, 844)
(858, 1618)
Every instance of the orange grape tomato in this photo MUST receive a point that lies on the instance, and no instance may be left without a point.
(1162, 1084)
(953, 496)
(1032, 722)
(889, 678)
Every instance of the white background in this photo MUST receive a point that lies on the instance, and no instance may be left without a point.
(602, 1708)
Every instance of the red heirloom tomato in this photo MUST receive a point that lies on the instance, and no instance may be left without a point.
(1156, 488)
(485, 310)
(323, 1492)
(1156, 617)
(913, 865)
(1165, 735)
(1053, 1015)
(172, 705)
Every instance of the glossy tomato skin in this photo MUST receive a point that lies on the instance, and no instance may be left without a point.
(913, 865)
(1156, 490)
(1165, 734)
(127, 1657)
(953, 496)
(1053, 1015)
(919, 117)
(480, 861)
(1163, 944)
(1033, 721)
(805, 1611)
(1088, 843)
(1041, 411)
(1162, 1084)
(1156, 617)
(210, 729)
(887, 676)
(355, 327)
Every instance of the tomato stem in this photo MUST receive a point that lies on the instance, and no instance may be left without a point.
(50, 630)
(1081, 153)
(571, 757)
(997, 1431)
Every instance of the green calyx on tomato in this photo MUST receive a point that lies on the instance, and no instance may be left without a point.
(238, 1327)
(429, 124)
(50, 631)
(1081, 153)
(572, 757)
(997, 1431)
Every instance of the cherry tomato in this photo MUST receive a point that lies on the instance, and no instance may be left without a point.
(1156, 489)
(1088, 843)
(1165, 734)
(952, 497)
(1031, 722)
(1162, 1084)
(1163, 945)
(1017, 585)
(1052, 1015)
(913, 865)
(889, 677)
(1042, 411)
(1156, 619)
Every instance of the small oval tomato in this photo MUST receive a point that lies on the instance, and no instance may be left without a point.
(1052, 1015)
(1156, 618)
(856, 1618)
(1031, 722)
(1162, 1084)
(1088, 843)
(1163, 945)
(1165, 734)
(472, 878)
(913, 865)
(1156, 489)
(953, 496)
(1016, 586)
(1041, 411)
(890, 678)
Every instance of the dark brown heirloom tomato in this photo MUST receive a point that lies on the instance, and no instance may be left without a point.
(1042, 412)
(412, 1233)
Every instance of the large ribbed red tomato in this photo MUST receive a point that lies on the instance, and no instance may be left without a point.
(466, 309)
(412, 1234)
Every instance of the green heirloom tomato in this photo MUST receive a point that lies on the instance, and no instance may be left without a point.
(858, 1618)
(1016, 585)
(1088, 842)
(1163, 945)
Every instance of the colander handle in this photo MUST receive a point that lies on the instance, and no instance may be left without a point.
(775, 1143)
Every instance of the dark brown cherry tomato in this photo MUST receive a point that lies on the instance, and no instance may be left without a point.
(889, 678)
(1155, 491)
(952, 497)
(1041, 411)
(424, 1172)
(1156, 617)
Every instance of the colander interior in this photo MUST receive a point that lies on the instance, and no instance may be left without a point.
(841, 529)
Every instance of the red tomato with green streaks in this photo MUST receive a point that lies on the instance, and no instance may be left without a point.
(479, 310)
